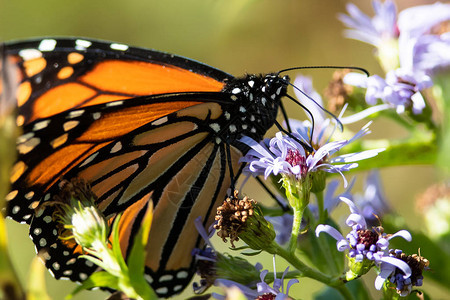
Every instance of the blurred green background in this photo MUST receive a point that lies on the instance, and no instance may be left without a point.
(237, 36)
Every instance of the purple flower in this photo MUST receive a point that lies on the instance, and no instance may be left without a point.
(375, 31)
(285, 155)
(262, 288)
(423, 47)
(402, 271)
(401, 89)
(363, 243)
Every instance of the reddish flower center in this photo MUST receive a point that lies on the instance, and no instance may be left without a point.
(266, 296)
(367, 237)
(295, 158)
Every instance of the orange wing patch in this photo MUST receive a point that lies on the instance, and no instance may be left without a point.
(143, 78)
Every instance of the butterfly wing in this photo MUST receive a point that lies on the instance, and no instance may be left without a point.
(171, 162)
(134, 124)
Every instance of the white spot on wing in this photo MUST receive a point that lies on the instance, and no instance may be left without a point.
(115, 103)
(117, 147)
(160, 121)
(41, 125)
(28, 54)
(15, 209)
(177, 287)
(232, 128)
(82, 44)
(215, 127)
(120, 47)
(166, 277)
(89, 159)
(56, 266)
(25, 137)
(42, 242)
(29, 145)
(162, 290)
(75, 113)
(47, 45)
(182, 274)
(148, 278)
(236, 91)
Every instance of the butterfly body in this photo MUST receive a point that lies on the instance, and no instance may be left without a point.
(139, 126)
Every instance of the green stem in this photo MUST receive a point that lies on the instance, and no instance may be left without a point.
(298, 214)
(302, 267)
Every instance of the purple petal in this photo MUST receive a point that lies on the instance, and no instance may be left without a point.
(201, 230)
(341, 244)
(356, 219)
(357, 156)
(402, 233)
(229, 283)
(383, 243)
(263, 274)
(399, 264)
(255, 146)
(351, 205)
(384, 274)
(290, 283)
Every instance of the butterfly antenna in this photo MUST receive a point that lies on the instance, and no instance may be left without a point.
(304, 145)
(307, 110)
(341, 127)
(283, 111)
(325, 67)
(321, 107)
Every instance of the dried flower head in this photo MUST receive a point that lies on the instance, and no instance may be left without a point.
(232, 215)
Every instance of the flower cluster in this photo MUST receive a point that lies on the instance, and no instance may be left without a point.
(411, 48)
(367, 246)
(400, 278)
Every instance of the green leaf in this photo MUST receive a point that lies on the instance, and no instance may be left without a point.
(322, 252)
(117, 252)
(36, 281)
(97, 279)
(251, 253)
(8, 276)
(136, 259)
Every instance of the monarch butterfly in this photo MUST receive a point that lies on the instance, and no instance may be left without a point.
(138, 125)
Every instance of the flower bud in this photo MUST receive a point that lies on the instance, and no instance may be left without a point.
(358, 268)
